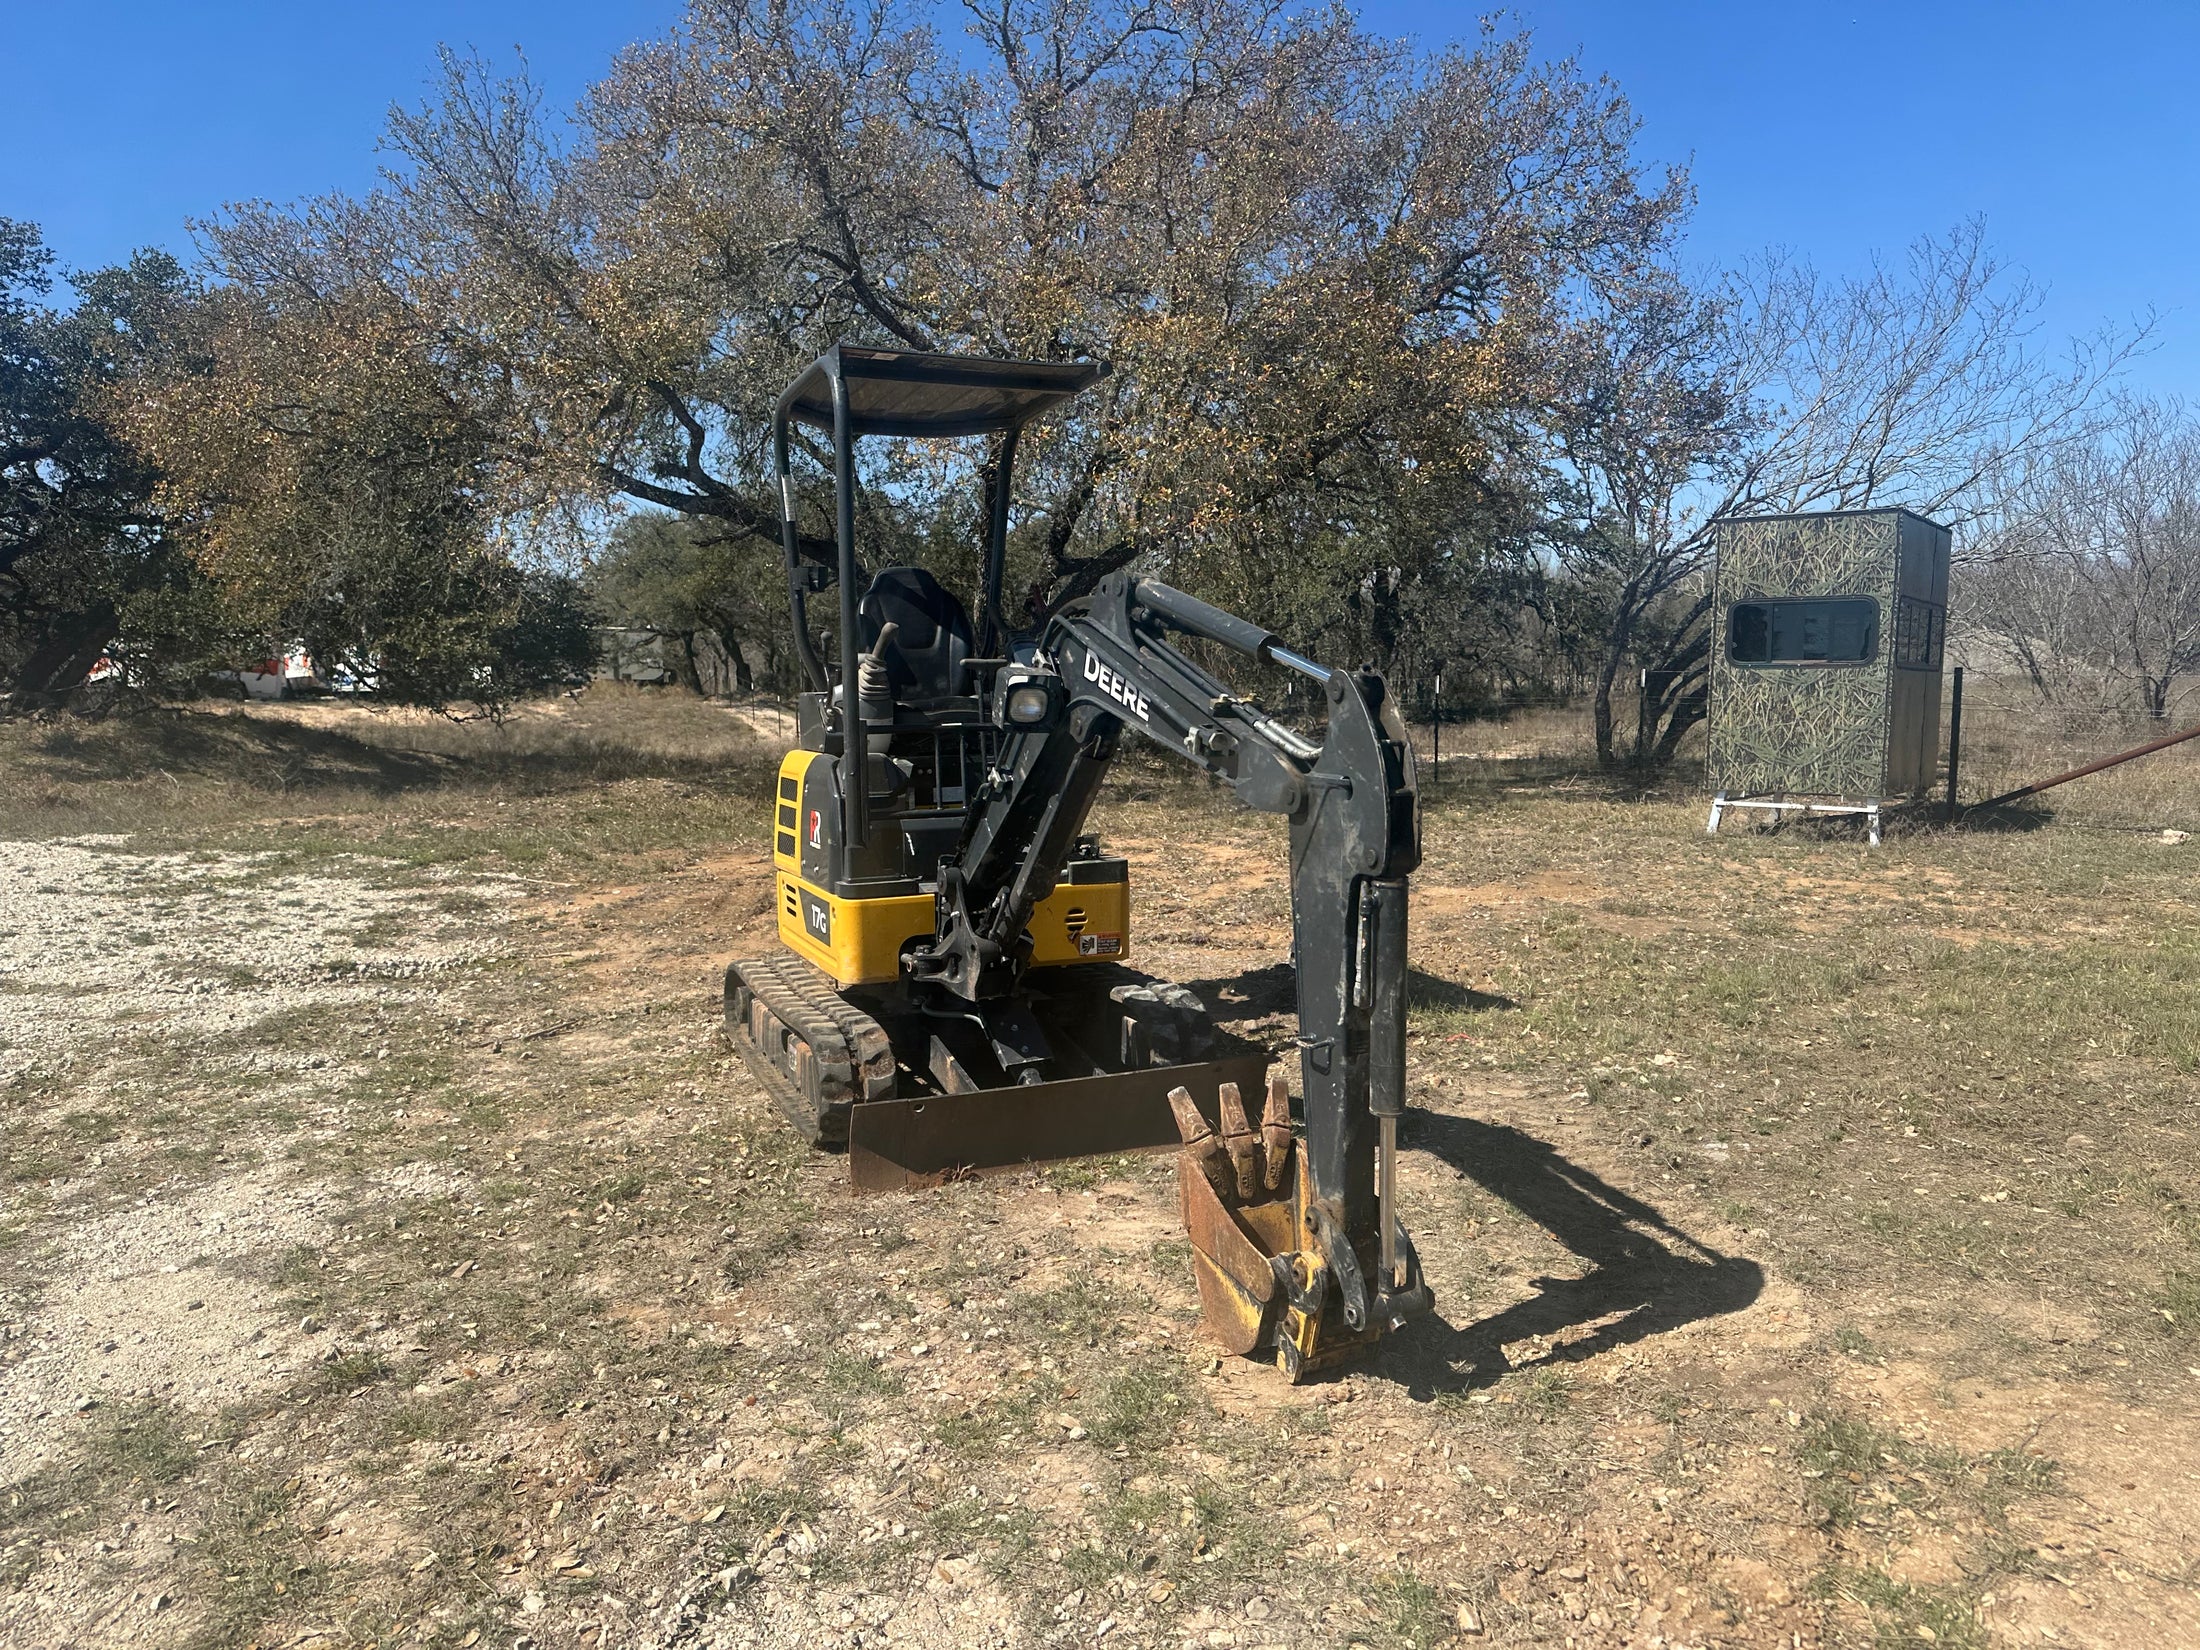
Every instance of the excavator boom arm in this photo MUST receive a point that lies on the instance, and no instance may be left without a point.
(1106, 664)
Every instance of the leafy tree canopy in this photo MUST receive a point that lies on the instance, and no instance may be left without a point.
(1336, 278)
(1406, 363)
(80, 542)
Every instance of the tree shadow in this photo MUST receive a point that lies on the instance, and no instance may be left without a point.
(1646, 1275)
(1906, 822)
(295, 757)
(1426, 990)
(279, 756)
(1273, 988)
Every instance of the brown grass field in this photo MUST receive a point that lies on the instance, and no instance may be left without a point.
(391, 1253)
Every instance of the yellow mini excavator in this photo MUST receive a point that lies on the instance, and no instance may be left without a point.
(954, 991)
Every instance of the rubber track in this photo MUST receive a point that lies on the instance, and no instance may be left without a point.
(849, 1059)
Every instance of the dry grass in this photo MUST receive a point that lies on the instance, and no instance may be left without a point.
(1811, 1230)
(138, 762)
(2011, 739)
(608, 773)
(1553, 736)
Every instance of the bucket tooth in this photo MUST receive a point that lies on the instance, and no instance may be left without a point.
(1202, 1147)
(1275, 1134)
(1237, 1286)
(1244, 1220)
(1240, 1142)
(1266, 1287)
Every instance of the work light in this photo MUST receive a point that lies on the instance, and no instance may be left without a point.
(1028, 704)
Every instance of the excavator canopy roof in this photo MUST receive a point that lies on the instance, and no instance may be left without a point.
(921, 393)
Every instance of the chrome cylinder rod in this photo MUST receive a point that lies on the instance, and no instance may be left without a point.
(1296, 661)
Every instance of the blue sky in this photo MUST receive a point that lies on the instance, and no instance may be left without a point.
(1831, 130)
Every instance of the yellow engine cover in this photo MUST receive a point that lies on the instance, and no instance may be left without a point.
(859, 941)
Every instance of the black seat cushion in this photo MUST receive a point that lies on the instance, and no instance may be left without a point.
(932, 635)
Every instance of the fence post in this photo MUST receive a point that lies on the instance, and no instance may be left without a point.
(1955, 738)
(1436, 735)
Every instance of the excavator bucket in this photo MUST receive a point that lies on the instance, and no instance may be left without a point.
(1237, 1190)
(1262, 1281)
(895, 1145)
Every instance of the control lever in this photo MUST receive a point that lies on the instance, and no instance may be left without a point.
(875, 690)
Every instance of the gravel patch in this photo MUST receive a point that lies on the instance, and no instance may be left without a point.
(155, 1302)
(96, 940)
(99, 946)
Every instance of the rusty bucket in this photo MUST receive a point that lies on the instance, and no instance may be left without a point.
(1238, 1188)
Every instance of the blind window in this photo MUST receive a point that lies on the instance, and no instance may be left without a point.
(1843, 630)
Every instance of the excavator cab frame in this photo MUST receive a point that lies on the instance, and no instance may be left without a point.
(851, 392)
(857, 861)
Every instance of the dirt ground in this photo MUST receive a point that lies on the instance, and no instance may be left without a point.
(391, 1253)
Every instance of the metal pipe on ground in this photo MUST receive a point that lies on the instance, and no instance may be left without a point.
(2039, 785)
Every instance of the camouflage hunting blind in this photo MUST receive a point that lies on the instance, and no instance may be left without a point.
(1825, 673)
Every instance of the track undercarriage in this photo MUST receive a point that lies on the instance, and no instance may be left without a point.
(919, 1091)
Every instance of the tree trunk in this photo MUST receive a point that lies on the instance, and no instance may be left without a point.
(1675, 690)
(2028, 658)
(1690, 708)
(692, 677)
(58, 665)
(719, 667)
(1386, 623)
(1601, 705)
(1619, 639)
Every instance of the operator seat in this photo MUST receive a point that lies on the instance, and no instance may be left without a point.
(932, 637)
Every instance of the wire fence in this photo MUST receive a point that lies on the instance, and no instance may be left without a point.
(1532, 734)
(2011, 737)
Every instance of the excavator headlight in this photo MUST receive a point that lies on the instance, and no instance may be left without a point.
(1028, 704)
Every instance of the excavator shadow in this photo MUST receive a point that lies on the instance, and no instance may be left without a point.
(1646, 1275)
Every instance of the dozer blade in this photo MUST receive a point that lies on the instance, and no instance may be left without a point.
(894, 1145)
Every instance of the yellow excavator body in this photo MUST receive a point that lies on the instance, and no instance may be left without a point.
(860, 941)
